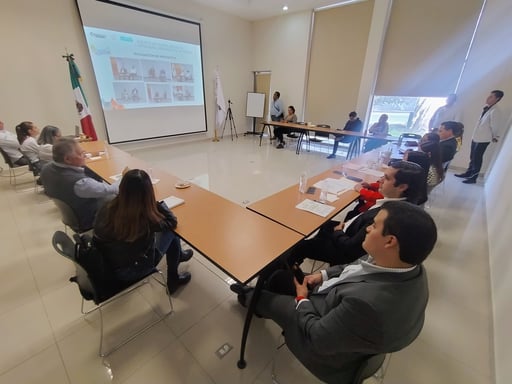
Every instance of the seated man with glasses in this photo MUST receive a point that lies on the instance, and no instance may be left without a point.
(65, 179)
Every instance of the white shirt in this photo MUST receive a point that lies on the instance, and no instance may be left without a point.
(377, 204)
(487, 126)
(445, 113)
(358, 268)
(9, 143)
(30, 149)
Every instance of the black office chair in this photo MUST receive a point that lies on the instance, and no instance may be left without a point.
(96, 283)
(415, 137)
(369, 368)
(13, 168)
(372, 366)
(69, 218)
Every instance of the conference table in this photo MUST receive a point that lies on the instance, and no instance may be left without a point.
(211, 224)
(354, 148)
(281, 206)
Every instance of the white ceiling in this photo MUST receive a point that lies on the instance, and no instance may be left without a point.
(262, 9)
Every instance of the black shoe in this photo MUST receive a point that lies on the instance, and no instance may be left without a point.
(463, 175)
(280, 145)
(241, 290)
(183, 278)
(39, 182)
(472, 180)
(292, 135)
(186, 255)
(331, 156)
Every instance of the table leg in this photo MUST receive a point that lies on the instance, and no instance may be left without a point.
(299, 143)
(248, 317)
(263, 131)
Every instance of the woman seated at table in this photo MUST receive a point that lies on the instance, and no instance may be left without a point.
(27, 133)
(428, 157)
(279, 131)
(380, 128)
(47, 138)
(133, 225)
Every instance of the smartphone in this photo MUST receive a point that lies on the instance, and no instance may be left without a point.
(353, 178)
(297, 272)
(311, 190)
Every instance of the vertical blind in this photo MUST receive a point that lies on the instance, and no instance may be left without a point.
(425, 46)
(338, 48)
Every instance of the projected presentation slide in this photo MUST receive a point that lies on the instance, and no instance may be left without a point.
(135, 71)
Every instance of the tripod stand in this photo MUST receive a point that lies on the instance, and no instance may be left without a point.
(229, 116)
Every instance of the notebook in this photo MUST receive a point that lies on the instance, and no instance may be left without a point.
(173, 201)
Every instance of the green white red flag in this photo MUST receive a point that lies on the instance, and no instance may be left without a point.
(80, 100)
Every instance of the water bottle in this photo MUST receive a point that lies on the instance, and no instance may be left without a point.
(303, 182)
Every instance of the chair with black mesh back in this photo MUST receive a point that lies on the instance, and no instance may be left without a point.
(414, 139)
(14, 170)
(319, 136)
(97, 284)
(69, 218)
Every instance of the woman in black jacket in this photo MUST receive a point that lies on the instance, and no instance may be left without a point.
(133, 232)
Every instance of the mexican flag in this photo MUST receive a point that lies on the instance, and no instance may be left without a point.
(80, 101)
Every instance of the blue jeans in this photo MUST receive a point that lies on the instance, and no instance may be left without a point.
(168, 243)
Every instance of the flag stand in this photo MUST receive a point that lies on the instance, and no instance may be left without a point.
(215, 138)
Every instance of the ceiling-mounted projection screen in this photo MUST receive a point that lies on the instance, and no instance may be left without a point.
(148, 68)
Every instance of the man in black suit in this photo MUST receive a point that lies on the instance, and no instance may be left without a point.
(448, 141)
(337, 318)
(403, 180)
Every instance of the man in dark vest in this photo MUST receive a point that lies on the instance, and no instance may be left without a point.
(65, 179)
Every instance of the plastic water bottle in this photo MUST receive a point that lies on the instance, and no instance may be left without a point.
(303, 182)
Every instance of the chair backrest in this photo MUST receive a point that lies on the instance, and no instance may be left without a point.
(66, 247)
(322, 134)
(413, 136)
(369, 367)
(7, 159)
(68, 216)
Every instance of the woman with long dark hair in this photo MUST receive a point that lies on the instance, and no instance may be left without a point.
(46, 139)
(134, 224)
(429, 157)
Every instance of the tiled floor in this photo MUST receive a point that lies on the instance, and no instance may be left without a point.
(46, 340)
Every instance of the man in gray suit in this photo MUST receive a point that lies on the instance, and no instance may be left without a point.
(339, 317)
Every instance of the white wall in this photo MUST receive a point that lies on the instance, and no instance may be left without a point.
(35, 79)
(491, 67)
(280, 44)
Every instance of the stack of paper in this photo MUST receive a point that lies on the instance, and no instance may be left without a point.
(173, 201)
(335, 186)
(315, 207)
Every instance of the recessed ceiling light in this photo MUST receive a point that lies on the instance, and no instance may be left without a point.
(285, 7)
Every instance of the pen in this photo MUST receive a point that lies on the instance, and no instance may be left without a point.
(318, 201)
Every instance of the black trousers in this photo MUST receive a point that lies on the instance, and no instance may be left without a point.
(476, 158)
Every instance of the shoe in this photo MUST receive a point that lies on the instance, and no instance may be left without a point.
(241, 290)
(186, 255)
(272, 138)
(331, 156)
(280, 146)
(39, 181)
(463, 175)
(470, 181)
(183, 278)
(292, 135)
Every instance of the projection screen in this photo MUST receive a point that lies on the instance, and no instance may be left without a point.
(148, 68)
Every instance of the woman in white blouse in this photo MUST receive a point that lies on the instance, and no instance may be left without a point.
(47, 138)
(27, 133)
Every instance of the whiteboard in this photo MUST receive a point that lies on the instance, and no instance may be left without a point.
(255, 104)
